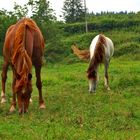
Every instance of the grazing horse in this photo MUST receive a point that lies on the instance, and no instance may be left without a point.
(101, 50)
(23, 47)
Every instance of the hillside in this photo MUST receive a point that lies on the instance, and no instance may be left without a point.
(123, 29)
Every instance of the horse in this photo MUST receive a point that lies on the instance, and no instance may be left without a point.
(101, 50)
(23, 47)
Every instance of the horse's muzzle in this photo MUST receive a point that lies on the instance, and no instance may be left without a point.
(23, 104)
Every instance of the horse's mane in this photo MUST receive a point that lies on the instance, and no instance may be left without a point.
(19, 51)
(82, 54)
(98, 57)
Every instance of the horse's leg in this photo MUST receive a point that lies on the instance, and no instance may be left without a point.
(4, 77)
(106, 80)
(39, 85)
(13, 104)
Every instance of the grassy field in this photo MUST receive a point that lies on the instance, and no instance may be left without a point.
(71, 112)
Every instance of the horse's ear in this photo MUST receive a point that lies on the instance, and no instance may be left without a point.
(29, 76)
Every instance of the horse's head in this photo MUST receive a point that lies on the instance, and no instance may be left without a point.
(22, 66)
(23, 89)
(92, 76)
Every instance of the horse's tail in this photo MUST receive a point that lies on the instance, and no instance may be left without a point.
(20, 45)
(82, 54)
(99, 55)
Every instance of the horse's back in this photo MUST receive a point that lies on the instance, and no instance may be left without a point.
(34, 39)
(108, 45)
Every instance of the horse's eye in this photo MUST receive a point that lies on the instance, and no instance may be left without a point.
(94, 73)
(29, 76)
(18, 76)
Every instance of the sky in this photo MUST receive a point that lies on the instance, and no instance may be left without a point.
(92, 5)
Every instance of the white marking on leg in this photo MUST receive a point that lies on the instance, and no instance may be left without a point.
(42, 106)
(106, 84)
(12, 108)
(2, 93)
(108, 88)
(3, 98)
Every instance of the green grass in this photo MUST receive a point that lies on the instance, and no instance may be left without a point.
(71, 112)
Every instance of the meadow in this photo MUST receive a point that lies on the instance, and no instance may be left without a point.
(71, 112)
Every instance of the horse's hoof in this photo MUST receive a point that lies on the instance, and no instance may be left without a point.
(92, 91)
(12, 109)
(108, 88)
(42, 106)
(3, 100)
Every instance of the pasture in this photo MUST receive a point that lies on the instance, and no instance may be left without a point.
(71, 112)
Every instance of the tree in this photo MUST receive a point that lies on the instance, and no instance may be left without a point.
(73, 11)
(41, 10)
(42, 14)
(6, 19)
(20, 11)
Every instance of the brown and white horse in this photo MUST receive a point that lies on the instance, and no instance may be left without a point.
(23, 47)
(101, 50)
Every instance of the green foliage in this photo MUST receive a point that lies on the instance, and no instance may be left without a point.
(122, 28)
(6, 19)
(73, 11)
(43, 15)
(20, 11)
(127, 44)
(102, 25)
(41, 10)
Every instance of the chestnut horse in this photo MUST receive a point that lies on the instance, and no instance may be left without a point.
(23, 47)
(101, 50)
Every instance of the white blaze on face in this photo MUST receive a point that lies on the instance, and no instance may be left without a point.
(23, 90)
(90, 85)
